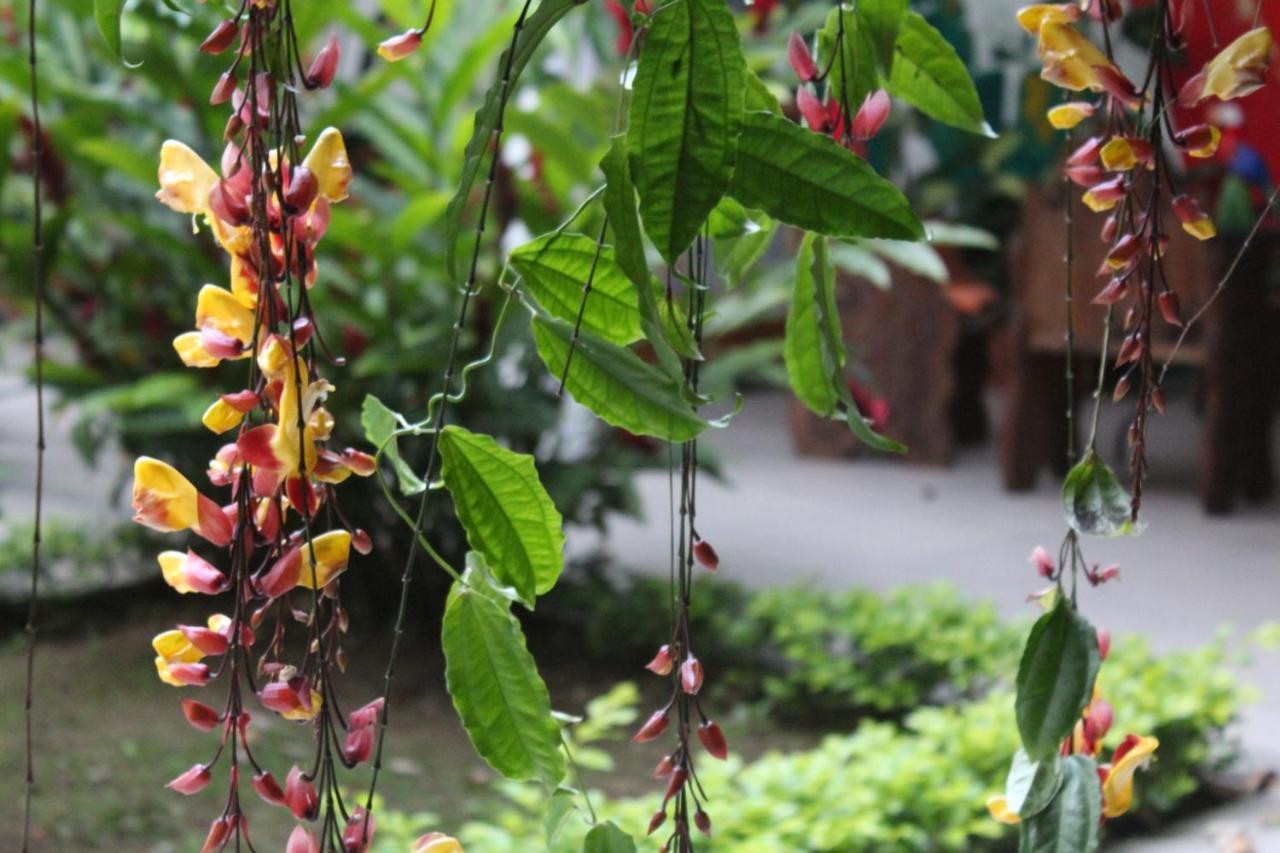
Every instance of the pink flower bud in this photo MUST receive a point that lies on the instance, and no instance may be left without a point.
(1086, 153)
(302, 190)
(1110, 228)
(191, 782)
(221, 37)
(691, 675)
(223, 88)
(361, 542)
(1043, 563)
(1086, 175)
(220, 344)
(1115, 290)
(658, 819)
(814, 113)
(200, 715)
(359, 831)
(674, 783)
(801, 59)
(219, 832)
(654, 726)
(664, 768)
(283, 575)
(1099, 719)
(300, 795)
(1125, 252)
(322, 69)
(871, 115)
(301, 841)
(281, 697)
(1117, 85)
(190, 674)
(1104, 643)
(713, 739)
(207, 641)
(268, 788)
(1170, 308)
(662, 662)
(358, 746)
(706, 555)
(366, 715)
(212, 522)
(398, 47)
(360, 463)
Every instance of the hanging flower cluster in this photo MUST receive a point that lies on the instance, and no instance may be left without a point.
(278, 548)
(827, 114)
(1125, 168)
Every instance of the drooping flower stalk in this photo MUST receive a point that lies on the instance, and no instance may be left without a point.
(37, 292)
(268, 209)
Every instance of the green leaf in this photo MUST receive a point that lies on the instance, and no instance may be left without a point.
(854, 258)
(1032, 784)
(929, 75)
(109, 14)
(1055, 678)
(379, 422)
(607, 838)
(881, 20)
(1094, 501)
(506, 512)
(686, 112)
(557, 812)
(810, 181)
(535, 29)
(855, 64)
(758, 96)
(616, 384)
(919, 258)
(496, 689)
(809, 360)
(1070, 823)
(555, 268)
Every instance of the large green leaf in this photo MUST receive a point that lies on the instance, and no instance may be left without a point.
(616, 384)
(556, 267)
(881, 20)
(929, 74)
(535, 29)
(1094, 501)
(496, 689)
(808, 358)
(506, 512)
(853, 69)
(808, 180)
(1055, 678)
(607, 838)
(686, 112)
(1032, 784)
(1070, 823)
(108, 15)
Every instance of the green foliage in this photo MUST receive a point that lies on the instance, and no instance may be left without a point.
(1094, 501)
(686, 113)
(1070, 823)
(1055, 678)
(507, 514)
(1031, 785)
(929, 74)
(496, 689)
(555, 268)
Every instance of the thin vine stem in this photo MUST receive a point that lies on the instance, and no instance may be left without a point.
(37, 286)
(468, 290)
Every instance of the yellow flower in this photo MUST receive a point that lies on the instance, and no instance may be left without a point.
(1068, 115)
(328, 162)
(243, 287)
(221, 416)
(1070, 60)
(220, 309)
(185, 178)
(1031, 18)
(305, 713)
(437, 842)
(163, 499)
(332, 552)
(174, 647)
(998, 808)
(1117, 789)
(190, 349)
(190, 573)
(1238, 70)
(1118, 155)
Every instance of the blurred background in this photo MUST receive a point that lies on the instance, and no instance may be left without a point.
(868, 614)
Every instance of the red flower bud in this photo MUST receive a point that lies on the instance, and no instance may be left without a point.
(268, 788)
(208, 641)
(1170, 308)
(1086, 153)
(691, 675)
(1043, 563)
(706, 555)
(1125, 252)
(302, 190)
(358, 746)
(301, 841)
(814, 113)
(361, 542)
(322, 69)
(658, 819)
(300, 795)
(200, 715)
(713, 739)
(654, 726)
(1115, 291)
(219, 832)
(662, 662)
(1085, 175)
(871, 115)
(191, 782)
(665, 766)
(800, 58)
(366, 715)
(1099, 719)
(398, 47)
(674, 783)
(359, 831)
(190, 674)
(703, 821)
(221, 37)
(1109, 229)
(1117, 85)
(1104, 643)
(223, 88)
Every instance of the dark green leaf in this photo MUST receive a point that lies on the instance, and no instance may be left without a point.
(1094, 501)
(881, 20)
(929, 75)
(506, 512)
(548, 13)
(379, 422)
(686, 111)
(108, 14)
(1070, 823)
(855, 65)
(616, 384)
(1055, 678)
(806, 352)
(496, 689)
(1032, 784)
(808, 180)
(555, 268)
(607, 838)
